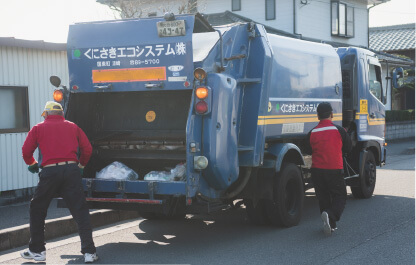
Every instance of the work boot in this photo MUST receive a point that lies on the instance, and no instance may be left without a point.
(27, 254)
(327, 227)
(90, 258)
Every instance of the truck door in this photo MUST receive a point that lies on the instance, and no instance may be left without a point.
(376, 112)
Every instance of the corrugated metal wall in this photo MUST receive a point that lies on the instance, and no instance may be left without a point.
(30, 68)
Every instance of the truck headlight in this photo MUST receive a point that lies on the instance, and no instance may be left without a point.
(200, 162)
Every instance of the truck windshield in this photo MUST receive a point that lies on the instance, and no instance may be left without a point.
(202, 44)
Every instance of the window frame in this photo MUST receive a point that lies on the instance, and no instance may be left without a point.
(26, 127)
(232, 5)
(377, 71)
(346, 28)
(274, 10)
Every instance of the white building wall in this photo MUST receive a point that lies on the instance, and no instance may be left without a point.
(30, 68)
(314, 21)
(256, 10)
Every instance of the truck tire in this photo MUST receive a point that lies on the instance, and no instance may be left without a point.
(288, 196)
(366, 182)
(256, 214)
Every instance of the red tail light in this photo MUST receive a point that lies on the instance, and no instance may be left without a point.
(201, 107)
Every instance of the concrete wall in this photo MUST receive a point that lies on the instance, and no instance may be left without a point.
(400, 130)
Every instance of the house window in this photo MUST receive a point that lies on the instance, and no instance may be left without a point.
(14, 109)
(235, 5)
(270, 9)
(342, 20)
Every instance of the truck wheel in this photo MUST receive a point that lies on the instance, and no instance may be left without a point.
(256, 214)
(288, 195)
(366, 182)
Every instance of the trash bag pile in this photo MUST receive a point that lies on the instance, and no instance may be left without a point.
(117, 170)
(176, 174)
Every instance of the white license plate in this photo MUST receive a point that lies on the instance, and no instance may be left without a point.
(171, 28)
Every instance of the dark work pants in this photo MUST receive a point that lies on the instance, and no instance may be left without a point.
(331, 192)
(64, 181)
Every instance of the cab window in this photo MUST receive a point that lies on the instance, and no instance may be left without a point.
(375, 81)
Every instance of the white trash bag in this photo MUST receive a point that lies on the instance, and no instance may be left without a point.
(175, 174)
(117, 170)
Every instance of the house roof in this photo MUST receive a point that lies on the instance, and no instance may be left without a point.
(393, 38)
(33, 44)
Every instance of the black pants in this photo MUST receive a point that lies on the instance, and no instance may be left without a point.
(64, 181)
(331, 192)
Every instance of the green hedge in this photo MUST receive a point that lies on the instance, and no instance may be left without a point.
(400, 115)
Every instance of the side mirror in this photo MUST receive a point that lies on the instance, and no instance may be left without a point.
(398, 75)
(55, 81)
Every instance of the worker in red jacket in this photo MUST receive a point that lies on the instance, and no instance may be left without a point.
(59, 142)
(327, 143)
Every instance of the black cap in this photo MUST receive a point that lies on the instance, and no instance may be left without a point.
(324, 107)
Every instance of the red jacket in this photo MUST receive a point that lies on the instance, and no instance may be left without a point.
(58, 140)
(328, 142)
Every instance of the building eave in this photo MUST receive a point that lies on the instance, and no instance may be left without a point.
(32, 44)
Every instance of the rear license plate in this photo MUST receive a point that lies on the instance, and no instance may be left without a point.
(171, 28)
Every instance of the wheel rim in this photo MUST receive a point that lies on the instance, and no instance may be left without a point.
(370, 173)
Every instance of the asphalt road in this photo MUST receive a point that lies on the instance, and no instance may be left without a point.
(380, 230)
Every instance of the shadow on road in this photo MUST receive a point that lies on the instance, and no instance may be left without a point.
(227, 236)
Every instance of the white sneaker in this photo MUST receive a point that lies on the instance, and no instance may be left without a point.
(27, 254)
(90, 258)
(327, 226)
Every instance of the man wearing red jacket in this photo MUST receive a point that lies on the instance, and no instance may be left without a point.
(328, 142)
(59, 142)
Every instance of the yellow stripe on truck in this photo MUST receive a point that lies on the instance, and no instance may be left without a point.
(375, 121)
(281, 119)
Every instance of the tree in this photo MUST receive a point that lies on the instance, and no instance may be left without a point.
(144, 8)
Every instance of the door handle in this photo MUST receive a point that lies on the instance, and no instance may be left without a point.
(372, 115)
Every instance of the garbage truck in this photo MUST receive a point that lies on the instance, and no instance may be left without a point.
(231, 104)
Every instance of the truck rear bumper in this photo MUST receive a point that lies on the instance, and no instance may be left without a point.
(120, 188)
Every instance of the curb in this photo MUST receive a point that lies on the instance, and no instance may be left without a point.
(20, 235)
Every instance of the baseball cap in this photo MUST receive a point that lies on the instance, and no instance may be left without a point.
(324, 107)
(51, 105)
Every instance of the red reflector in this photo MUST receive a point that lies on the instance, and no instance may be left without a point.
(201, 107)
(75, 87)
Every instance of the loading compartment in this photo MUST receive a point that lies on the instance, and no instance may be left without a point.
(144, 130)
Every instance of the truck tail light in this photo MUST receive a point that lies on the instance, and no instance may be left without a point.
(202, 100)
(58, 95)
(201, 107)
(201, 92)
